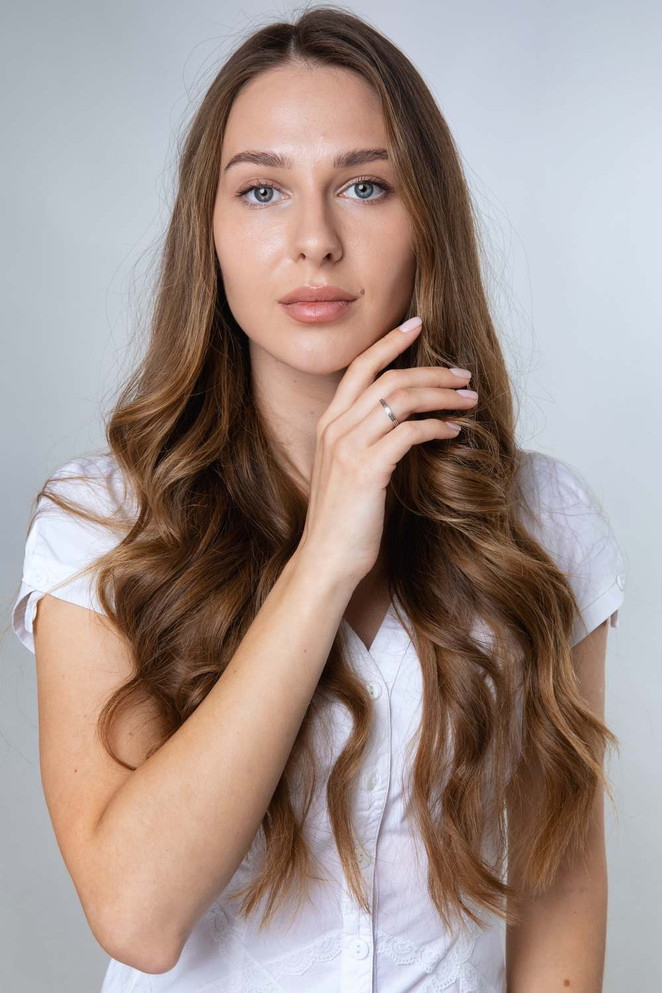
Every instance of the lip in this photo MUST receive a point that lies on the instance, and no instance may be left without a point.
(314, 294)
(317, 311)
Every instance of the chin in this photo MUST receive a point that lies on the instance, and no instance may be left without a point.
(311, 360)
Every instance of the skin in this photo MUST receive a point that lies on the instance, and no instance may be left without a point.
(560, 945)
(318, 227)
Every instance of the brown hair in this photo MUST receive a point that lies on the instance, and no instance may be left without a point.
(219, 515)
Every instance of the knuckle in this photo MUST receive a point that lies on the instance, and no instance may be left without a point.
(399, 398)
(408, 428)
(390, 378)
(327, 432)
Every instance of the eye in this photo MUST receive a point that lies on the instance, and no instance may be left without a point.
(263, 189)
(370, 182)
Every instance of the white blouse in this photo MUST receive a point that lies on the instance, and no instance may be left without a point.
(334, 946)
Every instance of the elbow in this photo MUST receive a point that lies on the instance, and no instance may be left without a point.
(148, 959)
(132, 947)
(129, 923)
(129, 927)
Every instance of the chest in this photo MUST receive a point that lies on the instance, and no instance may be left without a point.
(366, 611)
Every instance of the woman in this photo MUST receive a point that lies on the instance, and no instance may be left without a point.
(324, 645)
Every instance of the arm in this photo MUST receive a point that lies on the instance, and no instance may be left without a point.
(149, 850)
(560, 943)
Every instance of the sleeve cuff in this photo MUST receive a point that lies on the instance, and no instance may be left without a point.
(604, 606)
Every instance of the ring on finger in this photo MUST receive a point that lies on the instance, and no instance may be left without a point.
(388, 411)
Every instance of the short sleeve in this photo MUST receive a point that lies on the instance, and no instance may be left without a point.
(575, 530)
(60, 544)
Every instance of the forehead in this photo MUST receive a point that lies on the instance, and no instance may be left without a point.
(305, 112)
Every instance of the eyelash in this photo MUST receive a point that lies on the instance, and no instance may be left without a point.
(361, 179)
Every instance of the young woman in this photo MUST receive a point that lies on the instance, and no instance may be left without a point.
(320, 649)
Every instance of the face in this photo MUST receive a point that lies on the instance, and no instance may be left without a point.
(311, 222)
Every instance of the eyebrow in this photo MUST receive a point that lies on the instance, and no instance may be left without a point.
(272, 160)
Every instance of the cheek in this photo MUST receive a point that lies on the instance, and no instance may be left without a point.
(388, 276)
(243, 257)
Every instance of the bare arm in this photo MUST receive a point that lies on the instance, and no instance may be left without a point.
(175, 830)
(149, 850)
(560, 943)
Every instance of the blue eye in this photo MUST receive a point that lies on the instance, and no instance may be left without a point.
(249, 189)
(262, 187)
(373, 183)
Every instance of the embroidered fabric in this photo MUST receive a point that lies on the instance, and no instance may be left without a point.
(445, 966)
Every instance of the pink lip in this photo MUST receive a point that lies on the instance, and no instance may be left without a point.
(311, 294)
(317, 311)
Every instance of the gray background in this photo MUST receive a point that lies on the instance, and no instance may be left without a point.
(556, 109)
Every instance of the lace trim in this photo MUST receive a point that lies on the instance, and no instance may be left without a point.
(445, 963)
(468, 980)
(323, 949)
(445, 966)
(251, 980)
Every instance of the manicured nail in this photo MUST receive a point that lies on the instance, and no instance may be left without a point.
(411, 324)
(460, 372)
(467, 393)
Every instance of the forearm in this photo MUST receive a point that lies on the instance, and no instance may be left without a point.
(560, 944)
(174, 834)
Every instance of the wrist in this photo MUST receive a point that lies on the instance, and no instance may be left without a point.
(315, 570)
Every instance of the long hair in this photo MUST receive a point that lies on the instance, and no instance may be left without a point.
(218, 514)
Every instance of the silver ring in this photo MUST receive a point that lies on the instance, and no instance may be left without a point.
(389, 411)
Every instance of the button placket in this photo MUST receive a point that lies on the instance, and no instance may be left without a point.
(357, 961)
(357, 967)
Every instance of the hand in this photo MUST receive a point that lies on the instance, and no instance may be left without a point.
(358, 447)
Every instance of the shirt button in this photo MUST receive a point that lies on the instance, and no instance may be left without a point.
(374, 689)
(362, 858)
(359, 948)
(620, 579)
(370, 780)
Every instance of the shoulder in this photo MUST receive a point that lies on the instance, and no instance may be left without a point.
(94, 482)
(561, 505)
(550, 483)
(93, 485)
(564, 514)
(60, 543)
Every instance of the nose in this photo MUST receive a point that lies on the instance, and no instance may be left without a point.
(314, 230)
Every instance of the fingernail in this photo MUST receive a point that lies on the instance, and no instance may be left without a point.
(467, 393)
(411, 324)
(460, 372)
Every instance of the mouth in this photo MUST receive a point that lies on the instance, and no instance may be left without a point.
(317, 311)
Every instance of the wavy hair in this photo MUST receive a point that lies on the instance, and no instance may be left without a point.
(219, 513)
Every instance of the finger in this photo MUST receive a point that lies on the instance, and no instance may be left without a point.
(387, 452)
(405, 402)
(363, 369)
(388, 386)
